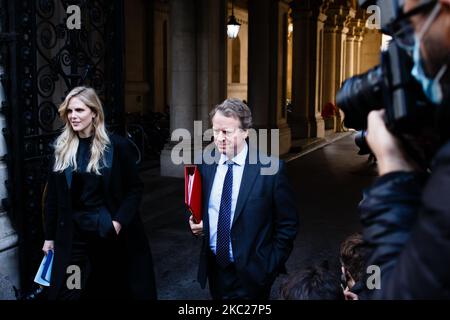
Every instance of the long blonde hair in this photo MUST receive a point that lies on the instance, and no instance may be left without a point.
(66, 145)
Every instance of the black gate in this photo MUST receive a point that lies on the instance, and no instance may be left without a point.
(43, 60)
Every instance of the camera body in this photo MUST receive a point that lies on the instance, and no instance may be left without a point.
(390, 86)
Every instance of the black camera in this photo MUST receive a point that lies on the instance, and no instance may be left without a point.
(391, 86)
(388, 85)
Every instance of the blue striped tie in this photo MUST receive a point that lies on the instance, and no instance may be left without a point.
(224, 222)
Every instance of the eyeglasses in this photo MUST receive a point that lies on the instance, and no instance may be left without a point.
(403, 32)
(226, 132)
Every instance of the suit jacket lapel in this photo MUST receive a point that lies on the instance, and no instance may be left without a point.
(248, 179)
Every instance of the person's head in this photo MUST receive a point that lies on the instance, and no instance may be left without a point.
(83, 116)
(314, 283)
(82, 111)
(353, 254)
(230, 123)
(429, 44)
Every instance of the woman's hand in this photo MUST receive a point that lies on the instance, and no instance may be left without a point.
(117, 226)
(48, 245)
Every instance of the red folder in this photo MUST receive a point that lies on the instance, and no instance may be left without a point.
(193, 192)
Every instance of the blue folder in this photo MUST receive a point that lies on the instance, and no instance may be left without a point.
(45, 270)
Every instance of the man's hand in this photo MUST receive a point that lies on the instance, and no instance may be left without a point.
(48, 245)
(117, 226)
(348, 295)
(196, 228)
(385, 146)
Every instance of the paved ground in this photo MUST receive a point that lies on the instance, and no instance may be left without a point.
(327, 184)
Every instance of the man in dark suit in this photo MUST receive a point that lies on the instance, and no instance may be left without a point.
(249, 217)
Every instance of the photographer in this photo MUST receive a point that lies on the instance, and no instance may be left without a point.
(406, 213)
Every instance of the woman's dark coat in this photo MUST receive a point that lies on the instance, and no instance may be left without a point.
(132, 266)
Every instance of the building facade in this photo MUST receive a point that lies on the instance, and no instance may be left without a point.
(155, 57)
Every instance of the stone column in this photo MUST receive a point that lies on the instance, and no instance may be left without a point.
(308, 19)
(281, 72)
(212, 57)
(183, 70)
(349, 53)
(9, 250)
(160, 54)
(137, 86)
(359, 28)
(353, 47)
(357, 50)
(370, 49)
(339, 15)
(267, 54)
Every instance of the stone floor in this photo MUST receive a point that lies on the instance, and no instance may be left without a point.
(327, 183)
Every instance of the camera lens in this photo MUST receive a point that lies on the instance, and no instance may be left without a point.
(359, 95)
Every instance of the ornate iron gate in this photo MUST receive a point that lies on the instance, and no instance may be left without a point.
(44, 59)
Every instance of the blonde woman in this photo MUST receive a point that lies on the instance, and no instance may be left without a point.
(91, 210)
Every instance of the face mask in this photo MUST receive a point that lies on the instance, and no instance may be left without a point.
(431, 87)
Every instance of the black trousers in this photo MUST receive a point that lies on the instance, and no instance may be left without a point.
(96, 259)
(224, 283)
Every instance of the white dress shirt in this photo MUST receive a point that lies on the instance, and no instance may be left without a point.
(216, 193)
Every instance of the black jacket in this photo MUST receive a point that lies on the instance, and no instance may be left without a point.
(264, 227)
(122, 193)
(406, 220)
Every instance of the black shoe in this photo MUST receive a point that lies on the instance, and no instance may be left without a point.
(37, 292)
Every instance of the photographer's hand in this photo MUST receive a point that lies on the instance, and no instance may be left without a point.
(385, 146)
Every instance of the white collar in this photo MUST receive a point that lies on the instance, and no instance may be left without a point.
(238, 159)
